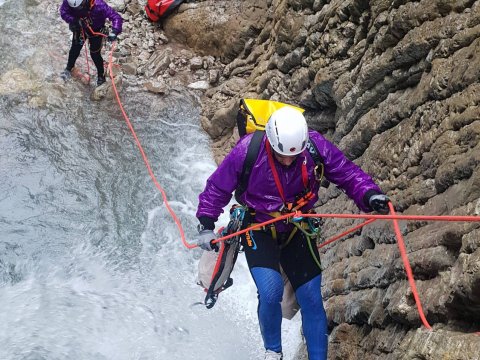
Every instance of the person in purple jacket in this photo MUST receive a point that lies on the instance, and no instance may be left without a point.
(84, 18)
(281, 175)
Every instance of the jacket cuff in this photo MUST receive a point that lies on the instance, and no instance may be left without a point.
(368, 195)
(208, 223)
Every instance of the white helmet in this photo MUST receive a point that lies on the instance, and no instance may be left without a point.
(75, 3)
(287, 131)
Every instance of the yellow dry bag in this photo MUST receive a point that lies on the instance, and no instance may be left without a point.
(253, 114)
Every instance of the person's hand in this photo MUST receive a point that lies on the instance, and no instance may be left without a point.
(74, 26)
(379, 203)
(112, 36)
(204, 240)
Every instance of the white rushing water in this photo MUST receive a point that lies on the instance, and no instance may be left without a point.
(91, 263)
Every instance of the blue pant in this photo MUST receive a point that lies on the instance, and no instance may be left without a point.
(269, 284)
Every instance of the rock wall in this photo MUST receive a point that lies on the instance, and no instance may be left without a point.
(395, 84)
(221, 27)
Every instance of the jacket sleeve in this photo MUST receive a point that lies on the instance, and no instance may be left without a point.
(357, 184)
(115, 18)
(66, 13)
(221, 184)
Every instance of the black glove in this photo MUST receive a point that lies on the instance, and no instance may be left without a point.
(74, 25)
(112, 36)
(379, 203)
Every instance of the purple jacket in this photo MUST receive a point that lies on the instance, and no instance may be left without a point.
(262, 193)
(97, 14)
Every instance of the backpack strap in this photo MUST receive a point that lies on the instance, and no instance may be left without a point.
(242, 115)
(252, 154)
(317, 159)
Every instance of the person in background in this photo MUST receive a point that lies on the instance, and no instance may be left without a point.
(282, 175)
(85, 18)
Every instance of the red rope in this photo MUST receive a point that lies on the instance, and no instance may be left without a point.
(408, 269)
(355, 216)
(339, 236)
(86, 77)
(91, 30)
(144, 156)
(396, 217)
(256, 226)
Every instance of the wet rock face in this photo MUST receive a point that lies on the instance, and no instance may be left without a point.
(395, 84)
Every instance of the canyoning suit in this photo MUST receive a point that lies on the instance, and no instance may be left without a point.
(266, 249)
(93, 17)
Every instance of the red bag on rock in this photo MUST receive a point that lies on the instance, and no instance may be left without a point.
(158, 9)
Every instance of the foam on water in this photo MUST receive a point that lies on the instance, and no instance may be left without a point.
(91, 262)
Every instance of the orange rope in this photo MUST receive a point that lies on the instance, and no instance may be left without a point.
(91, 30)
(354, 216)
(86, 77)
(256, 226)
(144, 156)
(408, 269)
(339, 236)
(397, 217)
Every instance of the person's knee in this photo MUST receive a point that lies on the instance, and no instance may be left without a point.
(76, 47)
(309, 296)
(271, 295)
(97, 58)
(95, 45)
(269, 285)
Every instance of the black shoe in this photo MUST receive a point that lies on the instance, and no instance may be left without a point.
(100, 80)
(66, 74)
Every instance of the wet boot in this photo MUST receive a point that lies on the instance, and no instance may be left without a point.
(66, 74)
(101, 80)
